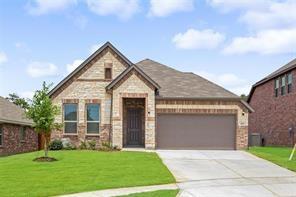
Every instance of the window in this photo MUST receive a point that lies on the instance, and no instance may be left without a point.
(290, 81)
(283, 85)
(70, 118)
(276, 87)
(22, 133)
(108, 73)
(93, 118)
(1, 136)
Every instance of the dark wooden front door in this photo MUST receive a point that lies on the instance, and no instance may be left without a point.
(134, 126)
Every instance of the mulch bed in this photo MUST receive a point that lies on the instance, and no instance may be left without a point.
(44, 159)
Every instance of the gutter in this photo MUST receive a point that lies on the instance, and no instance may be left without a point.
(15, 122)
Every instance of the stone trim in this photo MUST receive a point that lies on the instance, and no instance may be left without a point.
(196, 102)
(92, 101)
(197, 111)
(95, 80)
(65, 101)
(151, 119)
(108, 64)
(116, 118)
(132, 95)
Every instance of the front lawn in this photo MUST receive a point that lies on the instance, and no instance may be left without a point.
(159, 193)
(277, 155)
(79, 171)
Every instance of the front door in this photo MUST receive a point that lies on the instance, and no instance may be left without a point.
(134, 126)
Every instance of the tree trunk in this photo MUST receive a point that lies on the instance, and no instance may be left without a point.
(46, 143)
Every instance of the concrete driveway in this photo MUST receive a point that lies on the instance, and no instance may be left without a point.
(227, 173)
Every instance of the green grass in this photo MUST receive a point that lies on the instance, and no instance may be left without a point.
(159, 193)
(277, 155)
(79, 171)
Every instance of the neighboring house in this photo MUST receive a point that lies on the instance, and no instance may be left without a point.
(16, 132)
(274, 101)
(147, 104)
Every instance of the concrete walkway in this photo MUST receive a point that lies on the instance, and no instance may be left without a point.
(227, 173)
(123, 191)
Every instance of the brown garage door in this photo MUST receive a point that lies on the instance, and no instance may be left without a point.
(185, 131)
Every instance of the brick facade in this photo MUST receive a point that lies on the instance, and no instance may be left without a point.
(89, 86)
(273, 116)
(12, 143)
(211, 107)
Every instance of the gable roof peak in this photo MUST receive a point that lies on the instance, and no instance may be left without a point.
(88, 60)
(129, 69)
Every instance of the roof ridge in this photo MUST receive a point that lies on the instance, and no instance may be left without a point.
(160, 64)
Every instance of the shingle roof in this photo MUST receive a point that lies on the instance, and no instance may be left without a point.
(287, 67)
(11, 113)
(281, 70)
(177, 84)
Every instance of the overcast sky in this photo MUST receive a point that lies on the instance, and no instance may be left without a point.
(231, 42)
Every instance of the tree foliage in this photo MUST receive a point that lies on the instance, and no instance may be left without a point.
(16, 99)
(244, 97)
(42, 112)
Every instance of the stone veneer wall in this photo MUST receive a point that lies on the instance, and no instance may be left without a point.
(89, 87)
(12, 143)
(211, 107)
(133, 87)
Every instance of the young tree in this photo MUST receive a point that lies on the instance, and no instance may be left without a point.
(43, 112)
(22, 102)
(244, 97)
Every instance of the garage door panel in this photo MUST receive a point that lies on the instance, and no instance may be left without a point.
(185, 131)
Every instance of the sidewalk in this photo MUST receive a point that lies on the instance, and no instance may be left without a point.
(123, 191)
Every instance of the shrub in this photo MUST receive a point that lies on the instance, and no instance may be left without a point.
(83, 145)
(69, 146)
(56, 145)
(92, 145)
(107, 146)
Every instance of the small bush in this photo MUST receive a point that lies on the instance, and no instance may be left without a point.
(107, 146)
(69, 146)
(83, 145)
(92, 145)
(56, 145)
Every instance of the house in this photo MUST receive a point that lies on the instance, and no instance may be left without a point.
(274, 101)
(16, 132)
(110, 99)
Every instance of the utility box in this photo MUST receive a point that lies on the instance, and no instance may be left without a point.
(255, 139)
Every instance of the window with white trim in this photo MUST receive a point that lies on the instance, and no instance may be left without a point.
(290, 82)
(283, 85)
(276, 87)
(22, 133)
(70, 118)
(93, 118)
